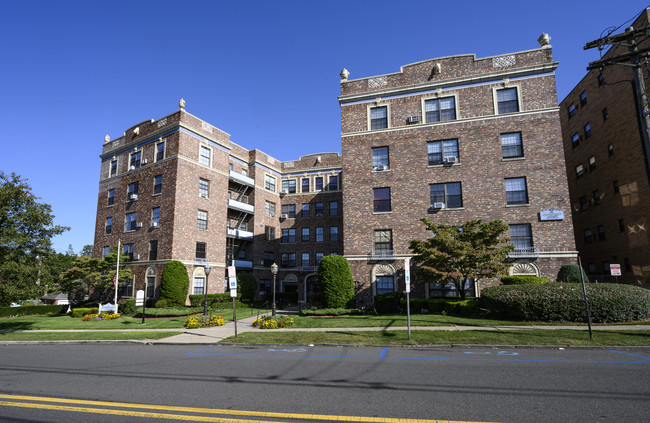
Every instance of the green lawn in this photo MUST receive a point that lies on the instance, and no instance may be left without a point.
(67, 322)
(425, 337)
(83, 336)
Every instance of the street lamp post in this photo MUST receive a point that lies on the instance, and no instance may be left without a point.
(274, 271)
(206, 269)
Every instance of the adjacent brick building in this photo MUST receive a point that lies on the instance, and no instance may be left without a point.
(453, 139)
(608, 169)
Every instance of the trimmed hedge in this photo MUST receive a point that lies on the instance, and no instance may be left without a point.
(198, 300)
(32, 310)
(564, 302)
(174, 283)
(83, 311)
(331, 312)
(389, 303)
(468, 307)
(571, 273)
(335, 282)
(522, 280)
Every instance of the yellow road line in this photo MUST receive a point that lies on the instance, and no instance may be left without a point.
(311, 417)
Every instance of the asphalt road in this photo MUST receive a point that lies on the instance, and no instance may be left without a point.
(45, 383)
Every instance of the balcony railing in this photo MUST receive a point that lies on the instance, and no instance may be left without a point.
(239, 206)
(530, 252)
(382, 255)
(236, 233)
(242, 179)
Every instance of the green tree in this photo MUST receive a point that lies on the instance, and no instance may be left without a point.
(174, 283)
(87, 250)
(26, 231)
(474, 250)
(335, 282)
(246, 285)
(94, 277)
(571, 273)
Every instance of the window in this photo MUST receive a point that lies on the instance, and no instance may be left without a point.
(610, 150)
(583, 98)
(380, 159)
(128, 250)
(269, 233)
(615, 186)
(507, 101)
(440, 152)
(269, 209)
(289, 186)
(319, 183)
(305, 184)
(596, 194)
(111, 197)
(269, 258)
(621, 225)
(334, 233)
(202, 219)
(160, 151)
(199, 281)
(269, 182)
(511, 145)
(151, 283)
(516, 191)
(107, 251)
(584, 204)
(229, 166)
(113, 171)
(587, 130)
(153, 250)
(601, 232)
(201, 250)
(379, 117)
(135, 160)
(305, 210)
(132, 191)
(288, 235)
(320, 209)
(334, 208)
(381, 202)
(204, 188)
(385, 284)
(320, 237)
(601, 80)
(319, 257)
(605, 267)
(289, 210)
(130, 222)
(580, 170)
(521, 236)
(205, 155)
(438, 110)
(627, 265)
(304, 237)
(592, 163)
(383, 240)
(575, 140)
(572, 110)
(449, 194)
(591, 268)
(125, 288)
(157, 184)
(588, 237)
(155, 217)
(288, 260)
(304, 259)
(109, 225)
(605, 114)
(334, 183)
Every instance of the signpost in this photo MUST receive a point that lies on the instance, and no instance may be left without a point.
(139, 301)
(407, 277)
(615, 270)
(232, 284)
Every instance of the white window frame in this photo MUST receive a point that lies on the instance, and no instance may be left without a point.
(199, 220)
(155, 153)
(268, 179)
(496, 102)
(110, 167)
(374, 106)
(201, 147)
(439, 97)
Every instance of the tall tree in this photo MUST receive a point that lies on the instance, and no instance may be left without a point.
(335, 282)
(474, 250)
(26, 231)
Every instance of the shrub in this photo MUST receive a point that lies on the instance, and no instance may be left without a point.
(331, 312)
(441, 305)
(198, 300)
(128, 308)
(246, 285)
(32, 310)
(196, 322)
(81, 312)
(388, 303)
(102, 316)
(161, 304)
(522, 280)
(564, 302)
(571, 273)
(174, 283)
(273, 322)
(335, 283)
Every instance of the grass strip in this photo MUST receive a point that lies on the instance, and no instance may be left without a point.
(84, 336)
(426, 337)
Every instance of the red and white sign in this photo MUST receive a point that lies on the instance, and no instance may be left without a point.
(615, 269)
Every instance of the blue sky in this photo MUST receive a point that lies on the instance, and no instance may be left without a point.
(265, 72)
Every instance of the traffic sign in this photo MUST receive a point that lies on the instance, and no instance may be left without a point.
(407, 273)
(231, 272)
(615, 269)
(233, 292)
(232, 283)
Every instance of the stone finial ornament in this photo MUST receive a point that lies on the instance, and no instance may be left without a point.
(107, 138)
(437, 68)
(136, 131)
(344, 75)
(544, 40)
(181, 103)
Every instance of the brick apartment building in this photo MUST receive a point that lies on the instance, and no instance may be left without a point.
(178, 189)
(608, 169)
(453, 139)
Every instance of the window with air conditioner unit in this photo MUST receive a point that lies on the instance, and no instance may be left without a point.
(413, 119)
(438, 205)
(284, 216)
(155, 224)
(450, 160)
(449, 195)
(138, 225)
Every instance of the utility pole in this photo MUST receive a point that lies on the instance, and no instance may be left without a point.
(634, 57)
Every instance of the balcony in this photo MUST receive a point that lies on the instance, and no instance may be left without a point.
(241, 179)
(236, 233)
(242, 207)
(243, 264)
(529, 252)
(382, 255)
